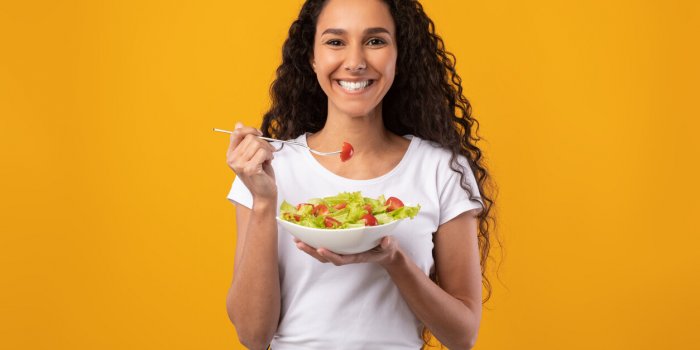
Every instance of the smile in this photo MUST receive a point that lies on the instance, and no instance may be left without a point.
(354, 85)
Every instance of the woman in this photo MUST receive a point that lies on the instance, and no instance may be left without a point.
(372, 73)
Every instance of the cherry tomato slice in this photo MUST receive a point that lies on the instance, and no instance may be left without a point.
(393, 203)
(330, 222)
(370, 220)
(346, 152)
(320, 210)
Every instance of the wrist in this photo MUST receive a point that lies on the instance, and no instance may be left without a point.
(264, 205)
(394, 261)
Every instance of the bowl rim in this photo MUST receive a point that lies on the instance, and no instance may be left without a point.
(352, 229)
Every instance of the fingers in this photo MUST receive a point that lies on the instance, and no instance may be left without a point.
(326, 256)
(239, 133)
(250, 146)
(386, 242)
(247, 155)
(310, 250)
(267, 168)
(337, 259)
(253, 139)
(261, 155)
(386, 247)
(255, 164)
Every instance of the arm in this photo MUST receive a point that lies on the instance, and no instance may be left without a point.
(452, 313)
(253, 301)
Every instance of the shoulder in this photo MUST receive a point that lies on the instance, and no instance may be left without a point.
(435, 162)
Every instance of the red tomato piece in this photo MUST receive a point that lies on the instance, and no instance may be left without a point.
(330, 222)
(346, 152)
(393, 203)
(368, 207)
(340, 205)
(320, 210)
(370, 220)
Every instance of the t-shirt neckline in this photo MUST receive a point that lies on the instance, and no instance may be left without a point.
(329, 174)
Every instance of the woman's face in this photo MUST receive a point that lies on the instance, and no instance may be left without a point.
(355, 54)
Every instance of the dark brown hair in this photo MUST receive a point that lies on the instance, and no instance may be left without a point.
(425, 100)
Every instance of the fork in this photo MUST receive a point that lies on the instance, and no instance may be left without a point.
(291, 143)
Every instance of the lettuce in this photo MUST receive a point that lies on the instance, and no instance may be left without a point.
(345, 210)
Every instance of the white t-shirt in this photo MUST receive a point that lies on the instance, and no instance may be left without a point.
(358, 306)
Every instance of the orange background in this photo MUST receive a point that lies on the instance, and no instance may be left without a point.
(114, 228)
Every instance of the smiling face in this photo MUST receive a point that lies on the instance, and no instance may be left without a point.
(355, 55)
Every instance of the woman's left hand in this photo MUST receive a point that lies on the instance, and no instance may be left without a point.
(382, 254)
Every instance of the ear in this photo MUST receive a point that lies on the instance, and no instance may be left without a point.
(313, 63)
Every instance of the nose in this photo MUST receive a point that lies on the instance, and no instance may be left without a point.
(355, 60)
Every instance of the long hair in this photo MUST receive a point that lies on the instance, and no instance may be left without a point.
(425, 100)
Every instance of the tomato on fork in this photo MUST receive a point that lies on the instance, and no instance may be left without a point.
(346, 152)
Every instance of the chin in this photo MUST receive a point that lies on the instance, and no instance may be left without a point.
(357, 114)
(357, 111)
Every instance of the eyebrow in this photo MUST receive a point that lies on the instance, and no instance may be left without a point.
(373, 30)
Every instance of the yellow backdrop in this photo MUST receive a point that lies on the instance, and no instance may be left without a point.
(115, 230)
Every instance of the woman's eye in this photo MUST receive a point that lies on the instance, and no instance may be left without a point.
(333, 42)
(375, 42)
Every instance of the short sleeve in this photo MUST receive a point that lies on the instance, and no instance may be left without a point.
(240, 194)
(454, 199)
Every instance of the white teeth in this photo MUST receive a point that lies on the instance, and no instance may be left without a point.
(354, 86)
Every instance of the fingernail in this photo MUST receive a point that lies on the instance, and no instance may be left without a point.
(239, 125)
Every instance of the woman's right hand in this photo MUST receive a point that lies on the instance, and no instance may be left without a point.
(250, 157)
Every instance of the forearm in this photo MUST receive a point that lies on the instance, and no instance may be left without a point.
(449, 319)
(253, 300)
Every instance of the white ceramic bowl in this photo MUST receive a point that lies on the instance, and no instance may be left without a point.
(340, 241)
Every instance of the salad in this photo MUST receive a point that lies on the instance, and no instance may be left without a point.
(346, 210)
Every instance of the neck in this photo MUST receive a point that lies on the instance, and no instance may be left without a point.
(366, 133)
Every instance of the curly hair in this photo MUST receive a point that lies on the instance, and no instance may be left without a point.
(427, 103)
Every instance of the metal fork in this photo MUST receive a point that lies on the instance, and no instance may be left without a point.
(291, 143)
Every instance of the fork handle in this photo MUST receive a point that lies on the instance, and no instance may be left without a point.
(268, 139)
(291, 142)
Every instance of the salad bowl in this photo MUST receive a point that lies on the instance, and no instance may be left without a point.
(340, 241)
(347, 223)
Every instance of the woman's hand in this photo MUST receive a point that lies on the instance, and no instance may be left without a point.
(382, 254)
(250, 158)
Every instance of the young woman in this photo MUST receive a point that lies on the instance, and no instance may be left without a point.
(375, 74)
